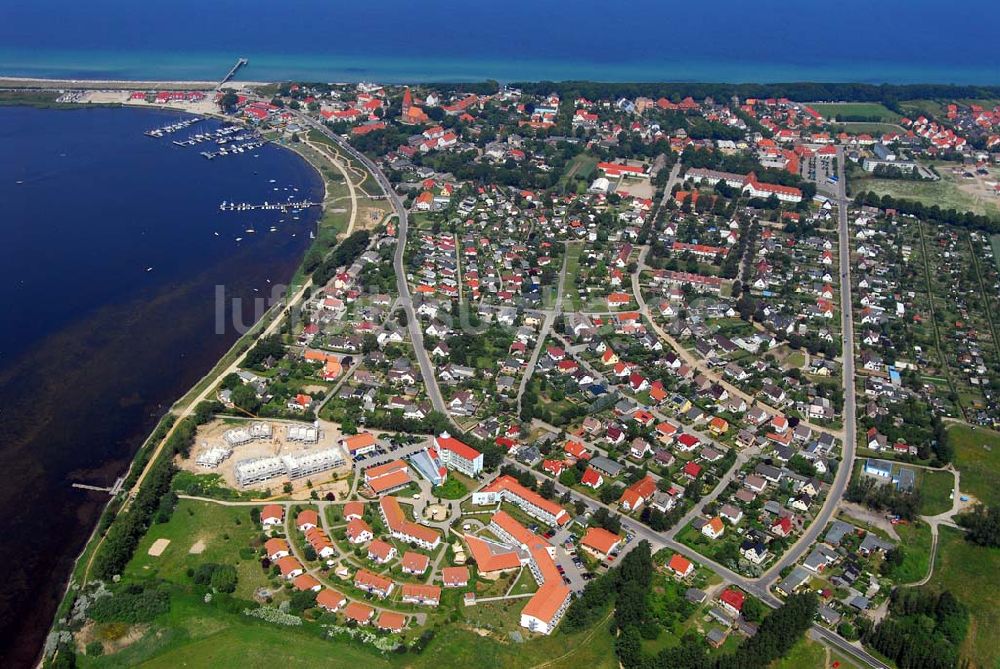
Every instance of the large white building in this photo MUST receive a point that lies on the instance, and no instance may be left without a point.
(456, 455)
(257, 470)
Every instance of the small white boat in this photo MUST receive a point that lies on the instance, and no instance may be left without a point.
(239, 239)
(149, 269)
(250, 231)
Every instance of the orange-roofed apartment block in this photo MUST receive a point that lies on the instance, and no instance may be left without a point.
(404, 529)
(507, 488)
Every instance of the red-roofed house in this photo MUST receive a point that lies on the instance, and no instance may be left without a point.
(379, 586)
(415, 563)
(592, 478)
(331, 600)
(680, 565)
(601, 542)
(507, 488)
(358, 613)
(381, 552)
(637, 494)
(455, 577)
(732, 600)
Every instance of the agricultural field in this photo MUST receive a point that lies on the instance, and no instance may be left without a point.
(937, 108)
(867, 111)
(578, 173)
(972, 574)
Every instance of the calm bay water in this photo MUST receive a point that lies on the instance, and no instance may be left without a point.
(94, 347)
(895, 41)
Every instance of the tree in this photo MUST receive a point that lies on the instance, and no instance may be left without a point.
(983, 525)
(245, 397)
(228, 101)
(224, 578)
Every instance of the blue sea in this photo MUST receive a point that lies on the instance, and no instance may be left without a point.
(112, 247)
(892, 41)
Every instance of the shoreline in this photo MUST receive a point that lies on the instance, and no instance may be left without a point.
(8, 82)
(117, 84)
(147, 444)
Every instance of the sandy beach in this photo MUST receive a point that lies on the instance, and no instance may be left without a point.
(119, 84)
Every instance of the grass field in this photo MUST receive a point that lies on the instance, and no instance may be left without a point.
(582, 167)
(972, 574)
(943, 193)
(193, 522)
(937, 107)
(915, 538)
(995, 243)
(570, 296)
(806, 654)
(935, 492)
(867, 109)
(193, 634)
(977, 456)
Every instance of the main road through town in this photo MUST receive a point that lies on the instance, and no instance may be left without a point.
(402, 286)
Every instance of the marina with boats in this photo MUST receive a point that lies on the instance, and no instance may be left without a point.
(293, 207)
(231, 139)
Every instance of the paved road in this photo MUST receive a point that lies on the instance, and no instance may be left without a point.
(402, 286)
(843, 475)
(543, 332)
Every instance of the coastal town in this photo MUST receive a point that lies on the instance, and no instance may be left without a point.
(583, 373)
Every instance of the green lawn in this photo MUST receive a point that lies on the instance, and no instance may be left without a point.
(450, 489)
(796, 359)
(195, 634)
(873, 110)
(977, 457)
(858, 128)
(915, 539)
(972, 573)
(806, 654)
(995, 243)
(525, 583)
(935, 492)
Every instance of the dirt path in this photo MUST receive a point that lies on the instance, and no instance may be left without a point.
(322, 150)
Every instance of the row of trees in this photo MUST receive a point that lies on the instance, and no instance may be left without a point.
(345, 253)
(982, 525)
(889, 94)
(883, 497)
(124, 534)
(930, 213)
